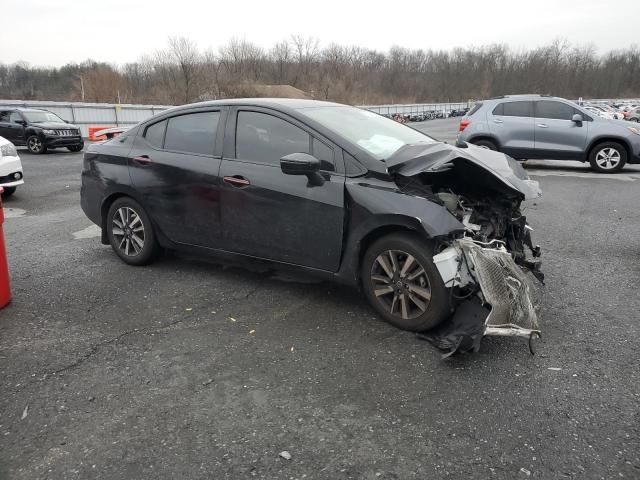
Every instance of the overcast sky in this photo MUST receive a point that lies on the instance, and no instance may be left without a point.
(45, 32)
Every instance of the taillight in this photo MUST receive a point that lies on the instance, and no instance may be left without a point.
(464, 124)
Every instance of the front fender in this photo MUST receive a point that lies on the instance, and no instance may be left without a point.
(376, 206)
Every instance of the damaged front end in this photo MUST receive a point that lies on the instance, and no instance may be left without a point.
(489, 266)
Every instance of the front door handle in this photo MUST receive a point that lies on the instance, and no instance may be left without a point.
(142, 160)
(237, 181)
(543, 125)
(497, 120)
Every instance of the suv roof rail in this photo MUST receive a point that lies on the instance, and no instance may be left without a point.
(518, 95)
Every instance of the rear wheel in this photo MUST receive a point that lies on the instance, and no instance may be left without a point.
(402, 283)
(36, 145)
(486, 144)
(608, 157)
(130, 232)
(8, 191)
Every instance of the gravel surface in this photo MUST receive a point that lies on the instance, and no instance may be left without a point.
(189, 369)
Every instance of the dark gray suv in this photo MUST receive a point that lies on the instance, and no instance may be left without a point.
(535, 126)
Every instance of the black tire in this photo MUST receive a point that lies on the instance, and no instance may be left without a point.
(486, 144)
(76, 148)
(8, 191)
(36, 145)
(389, 305)
(126, 246)
(616, 154)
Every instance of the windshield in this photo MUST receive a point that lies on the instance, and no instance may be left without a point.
(39, 117)
(379, 136)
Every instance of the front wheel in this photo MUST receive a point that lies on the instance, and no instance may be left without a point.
(608, 157)
(76, 148)
(35, 145)
(130, 232)
(402, 283)
(8, 191)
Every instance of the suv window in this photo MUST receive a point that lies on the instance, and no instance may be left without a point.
(192, 133)
(264, 138)
(154, 134)
(15, 116)
(4, 116)
(554, 110)
(475, 108)
(514, 109)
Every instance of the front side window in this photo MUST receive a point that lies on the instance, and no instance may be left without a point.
(15, 117)
(4, 116)
(192, 133)
(514, 109)
(554, 110)
(264, 138)
(154, 134)
(325, 154)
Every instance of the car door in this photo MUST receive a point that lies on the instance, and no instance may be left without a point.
(557, 136)
(268, 214)
(512, 124)
(174, 166)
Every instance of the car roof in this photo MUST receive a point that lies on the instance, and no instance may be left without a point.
(281, 103)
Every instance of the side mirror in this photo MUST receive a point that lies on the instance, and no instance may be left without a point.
(302, 164)
(577, 118)
(20, 122)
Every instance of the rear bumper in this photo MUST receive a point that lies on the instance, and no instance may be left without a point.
(53, 142)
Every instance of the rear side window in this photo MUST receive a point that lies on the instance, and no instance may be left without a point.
(474, 109)
(554, 110)
(264, 138)
(154, 134)
(192, 133)
(514, 109)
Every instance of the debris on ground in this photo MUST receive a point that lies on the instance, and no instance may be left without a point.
(286, 455)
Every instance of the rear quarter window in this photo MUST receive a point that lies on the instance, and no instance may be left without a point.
(475, 108)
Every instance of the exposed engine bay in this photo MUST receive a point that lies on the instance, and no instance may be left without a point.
(489, 265)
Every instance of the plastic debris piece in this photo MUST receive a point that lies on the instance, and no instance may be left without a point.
(286, 455)
(251, 332)
(555, 369)
(25, 412)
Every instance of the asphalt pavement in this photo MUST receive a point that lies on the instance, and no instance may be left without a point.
(195, 370)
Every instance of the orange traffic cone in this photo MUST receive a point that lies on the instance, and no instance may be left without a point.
(5, 288)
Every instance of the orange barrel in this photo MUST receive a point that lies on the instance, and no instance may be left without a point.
(5, 287)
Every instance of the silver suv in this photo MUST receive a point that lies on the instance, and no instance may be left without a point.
(537, 126)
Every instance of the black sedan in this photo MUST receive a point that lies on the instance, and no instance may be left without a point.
(336, 190)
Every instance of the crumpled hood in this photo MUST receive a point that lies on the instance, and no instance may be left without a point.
(412, 160)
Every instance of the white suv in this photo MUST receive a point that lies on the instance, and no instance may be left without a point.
(11, 175)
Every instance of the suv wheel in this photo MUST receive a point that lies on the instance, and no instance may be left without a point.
(35, 145)
(402, 283)
(76, 148)
(608, 157)
(486, 144)
(130, 232)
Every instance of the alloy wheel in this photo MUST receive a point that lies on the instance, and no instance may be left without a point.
(401, 284)
(35, 144)
(608, 158)
(128, 231)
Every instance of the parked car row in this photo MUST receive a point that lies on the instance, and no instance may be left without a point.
(538, 126)
(427, 115)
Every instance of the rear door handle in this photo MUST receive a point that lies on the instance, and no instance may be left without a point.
(543, 125)
(142, 160)
(237, 181)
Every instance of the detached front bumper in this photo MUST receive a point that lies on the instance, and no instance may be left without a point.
(499, 298)
(53, 141)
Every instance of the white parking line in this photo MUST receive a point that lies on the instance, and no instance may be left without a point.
(596, 176)
(13, 212)
(89, 232)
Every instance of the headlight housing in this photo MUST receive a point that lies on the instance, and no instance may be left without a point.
(8, 150)
(635, 130)
(49, 132)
